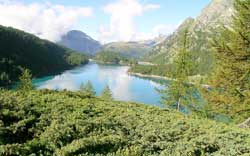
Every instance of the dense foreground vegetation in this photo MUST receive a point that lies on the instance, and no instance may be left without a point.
(19, 50)
(66, 123)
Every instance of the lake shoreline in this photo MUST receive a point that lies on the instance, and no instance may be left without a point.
(130, 73)
(148, 76)
(205, 86)
(109, 63)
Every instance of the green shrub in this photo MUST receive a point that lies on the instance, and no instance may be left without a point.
(65, 123)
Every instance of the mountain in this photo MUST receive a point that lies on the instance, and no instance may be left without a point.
(129, 49)
(19, 50)
(79, 41)
(201, 31)
(163, 52)
(216, 13)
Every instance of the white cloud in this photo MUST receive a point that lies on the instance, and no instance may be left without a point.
(47, 21)
(121, 26)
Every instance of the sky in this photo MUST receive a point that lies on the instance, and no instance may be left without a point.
(104, 20)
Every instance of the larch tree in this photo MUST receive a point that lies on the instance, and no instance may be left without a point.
(179, 91)
(231, 78)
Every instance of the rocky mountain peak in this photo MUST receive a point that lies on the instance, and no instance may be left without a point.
(217, 12)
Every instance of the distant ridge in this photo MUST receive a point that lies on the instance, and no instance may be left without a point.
(131, 49)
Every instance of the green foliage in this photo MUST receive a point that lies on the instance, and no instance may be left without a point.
(25, 81)
(179, 91)
(106, 93)
(114, 58)
(20, 50)
(67, 123)
(232, 75)
(76, 59)
(87, 89)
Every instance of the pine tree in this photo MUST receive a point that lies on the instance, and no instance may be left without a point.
(87, 89)
(25, 81)
(179, 91)
(106, 93)
(232, 76)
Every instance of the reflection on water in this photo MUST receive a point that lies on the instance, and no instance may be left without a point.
(123, 86)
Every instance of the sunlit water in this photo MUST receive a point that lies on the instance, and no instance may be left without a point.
(123, 86)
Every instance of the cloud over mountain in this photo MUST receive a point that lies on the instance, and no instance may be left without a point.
(45, 20)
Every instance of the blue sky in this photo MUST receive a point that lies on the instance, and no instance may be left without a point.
(116, 20)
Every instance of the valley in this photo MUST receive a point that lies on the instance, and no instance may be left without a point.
(73, 84)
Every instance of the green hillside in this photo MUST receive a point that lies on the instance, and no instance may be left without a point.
(128, 49)
(66, 123)
(19, 50)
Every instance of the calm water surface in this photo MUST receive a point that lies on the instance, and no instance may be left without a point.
(123, 86)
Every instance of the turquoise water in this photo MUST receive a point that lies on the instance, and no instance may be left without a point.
(123, 86)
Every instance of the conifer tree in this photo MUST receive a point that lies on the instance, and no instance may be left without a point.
(106, 93)
(25, 81)
(87, 89)
(232, 75)
(179, 91)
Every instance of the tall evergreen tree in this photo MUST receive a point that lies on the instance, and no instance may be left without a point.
(106, 93)
(87, 89)
(179, 91)
(232, 76)
(25, 81)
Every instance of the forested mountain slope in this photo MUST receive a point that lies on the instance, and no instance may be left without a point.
(19, 50)
(202, 31)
